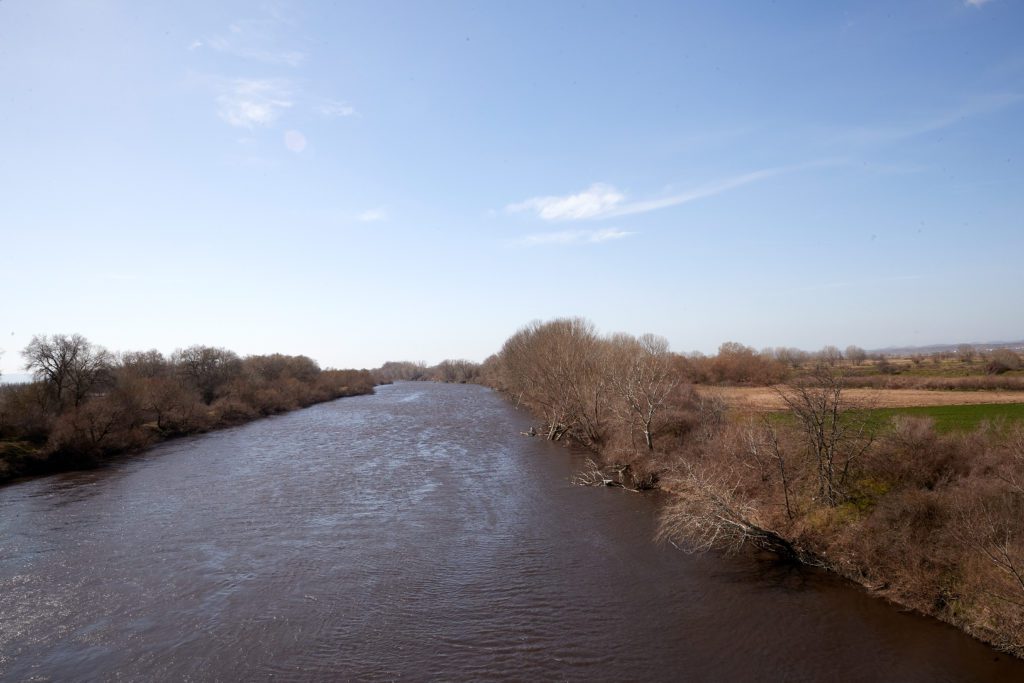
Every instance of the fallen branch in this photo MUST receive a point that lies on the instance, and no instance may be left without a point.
(593, 476)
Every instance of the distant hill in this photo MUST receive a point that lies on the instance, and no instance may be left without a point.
(947, 348)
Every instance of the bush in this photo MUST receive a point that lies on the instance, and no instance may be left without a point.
(1002, 360)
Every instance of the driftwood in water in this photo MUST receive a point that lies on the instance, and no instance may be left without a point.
(594, 476)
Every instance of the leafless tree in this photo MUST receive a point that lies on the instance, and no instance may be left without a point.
(710, 512)
(642, 377)
(856, 354)
(556, 369)
(1002, 360)
(965, 353)
(146, 364)
(208, 368)
(830, 355)
(69, 364)
(836, 434)
(792, 357)
(989, 526)
(457, 371)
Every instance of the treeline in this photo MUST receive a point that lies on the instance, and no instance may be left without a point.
(932, 521)
(736, 364)
(625, 397)
(87, 403)
(452, 371)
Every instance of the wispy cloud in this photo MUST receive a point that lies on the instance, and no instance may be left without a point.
(252, 102)
(574, 237)
(977, 106)
(260, 102)
(255, 39)
(709, 190)
(372, 216)
(596, 200)
(976, 3)
(332, 109)
(601, 200)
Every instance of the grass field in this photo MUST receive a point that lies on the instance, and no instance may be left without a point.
(951, 410)
(958, 417)
(767, 398)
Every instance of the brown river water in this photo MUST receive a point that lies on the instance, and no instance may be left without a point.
(413, 534)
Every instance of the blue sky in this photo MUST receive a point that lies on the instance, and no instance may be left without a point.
(362, 182)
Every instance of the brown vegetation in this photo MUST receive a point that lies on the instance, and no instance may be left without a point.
(87, 403)
(768, 398)
(932, 521)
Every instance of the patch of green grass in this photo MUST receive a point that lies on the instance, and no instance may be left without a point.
(955, 418)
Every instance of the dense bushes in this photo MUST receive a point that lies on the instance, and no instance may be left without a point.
(619, 395)
(933, 521)
(1002, 360)
(88, 403)
(457, 371)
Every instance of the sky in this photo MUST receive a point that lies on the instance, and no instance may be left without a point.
(363, 182)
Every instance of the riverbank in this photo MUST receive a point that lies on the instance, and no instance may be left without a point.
(23, 459)
(930, 519)
(940, 545)
(412, 534)
(89, 405)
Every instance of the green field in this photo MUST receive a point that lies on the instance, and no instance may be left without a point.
(957, 418)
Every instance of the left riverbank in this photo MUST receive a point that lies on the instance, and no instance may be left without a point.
(88, 404)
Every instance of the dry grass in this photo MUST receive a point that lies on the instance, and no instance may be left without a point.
(766, 398)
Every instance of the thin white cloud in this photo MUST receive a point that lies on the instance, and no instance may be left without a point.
(333, 109)
(977, 106)
(252, 102)
(976, 3)
(574, 237)
(596, 200)
(604, 201)
(709, 190)
(255, 39)
(195, 45)
(372, 216)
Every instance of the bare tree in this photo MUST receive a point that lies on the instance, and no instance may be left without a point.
(642, 377)
(856, 354)
(556, 369)
(965, 353)
(146, 364)
(835, 433)
(792, 357)
(208, 368)
(990, 527)
(69, 364)
(830, 354)
(710, 511)
(1002, 360)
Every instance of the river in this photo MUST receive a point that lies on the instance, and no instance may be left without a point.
(412, 534)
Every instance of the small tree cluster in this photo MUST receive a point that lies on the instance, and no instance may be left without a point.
(622, 396)
(1002, 360)
(87, 403)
